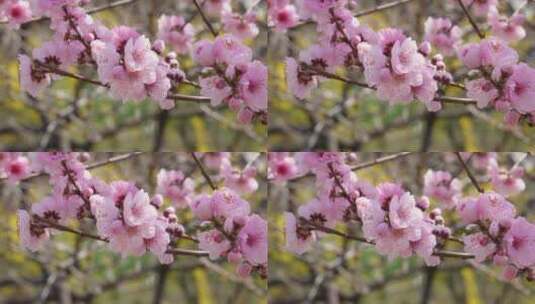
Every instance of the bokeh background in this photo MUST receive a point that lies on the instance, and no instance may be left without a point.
(336, 270)
(338, 116)
(75, 270)
(73, 115)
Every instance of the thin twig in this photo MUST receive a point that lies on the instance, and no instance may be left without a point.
(469, 173)
(57, 71)
(446, 99)
(200, 99)
(457, 100)
(89, 11)
(174, 251)
(440, 253)
(381, 7)
(365, 165)
(472, 21)
(182, 97)
(203, 171)
(328, 230)
(197, 253)
(341, 78)
(70, 230)
(204, 18)
(365, 12)
(381, 160)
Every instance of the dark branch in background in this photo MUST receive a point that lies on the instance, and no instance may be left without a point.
(427, 138)
(428, 284)
(161, 124)
(163, 271)
(203, 171)
(469, 173)
(472, 21)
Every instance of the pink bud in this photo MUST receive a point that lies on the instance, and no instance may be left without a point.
(245, 115)
(512, 118)
(425, 48)
(158, 46)
(244, 270)
(157, 200)
(509, 272)
(234, 257)
(235, 103)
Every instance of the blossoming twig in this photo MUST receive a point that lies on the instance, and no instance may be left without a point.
(108, 161)
(381, 160)
(175, 251)
(68, 229)
(440, 253)
(89, 11)
(181, 97)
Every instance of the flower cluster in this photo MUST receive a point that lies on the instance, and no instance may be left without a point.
(135, 69)
(232, 231)
(399, 223)
(440, 185)
(391, 218)
(234, 79)
(498, 234)
(134, 223)
(399, 226)
(175, 186)
(499, 79)
(442, 34)
(400, 69)
(127, 63)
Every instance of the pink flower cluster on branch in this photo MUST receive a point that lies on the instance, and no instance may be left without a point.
(402, 70)
(399, 223)
(133, 68)
(134, 223)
